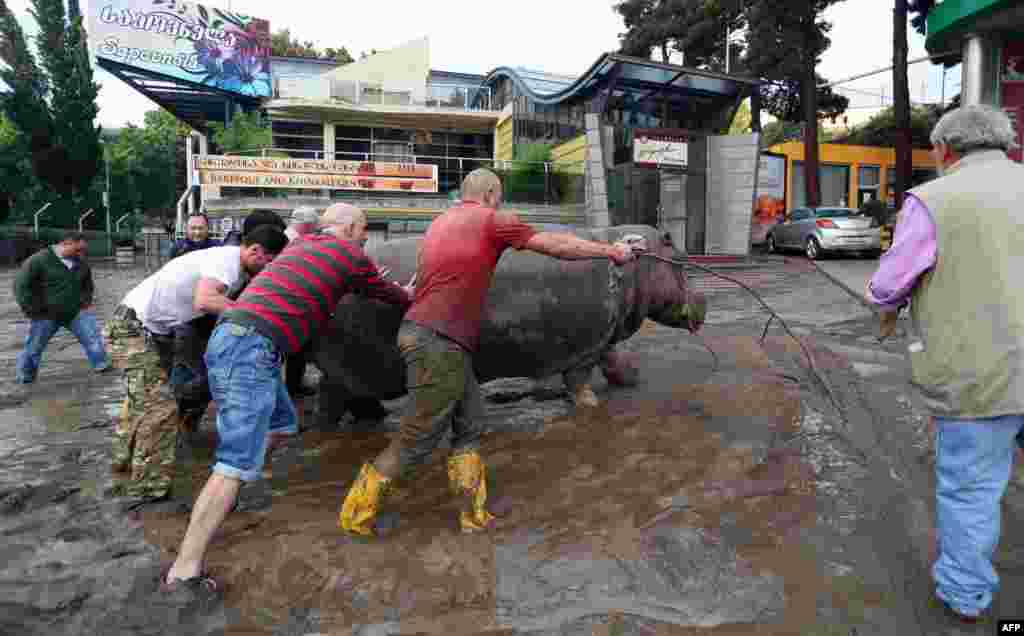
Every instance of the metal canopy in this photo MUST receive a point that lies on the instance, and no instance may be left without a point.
(637, 80)
(192, 103)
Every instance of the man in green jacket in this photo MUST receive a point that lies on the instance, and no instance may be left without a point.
(54, 289)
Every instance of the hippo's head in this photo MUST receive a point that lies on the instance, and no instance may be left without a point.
(671, 301)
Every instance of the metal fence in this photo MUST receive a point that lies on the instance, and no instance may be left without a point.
(18, 242)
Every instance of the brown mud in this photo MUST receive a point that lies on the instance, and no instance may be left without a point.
(596, 485)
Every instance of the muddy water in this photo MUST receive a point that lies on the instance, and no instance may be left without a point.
(605, 511)
(688, 504)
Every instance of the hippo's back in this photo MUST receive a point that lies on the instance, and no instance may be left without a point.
(543, 316)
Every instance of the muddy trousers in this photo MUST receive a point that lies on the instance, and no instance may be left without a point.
(146, 434)
(443, 396)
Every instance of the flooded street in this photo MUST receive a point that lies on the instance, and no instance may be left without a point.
(725, 494)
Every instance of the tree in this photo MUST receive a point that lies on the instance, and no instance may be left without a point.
(54, 104)
(282, 44)
(882, 130)
(341, 56)
(785, 41)
(246, 132)
(901, 100)
(695, 28)
(741, 121)
(143, 164)
(15, 167)
(919, 9)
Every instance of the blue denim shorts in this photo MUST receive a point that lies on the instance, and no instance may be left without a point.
(245, 381)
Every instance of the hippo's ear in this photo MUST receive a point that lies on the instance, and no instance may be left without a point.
(666, 240)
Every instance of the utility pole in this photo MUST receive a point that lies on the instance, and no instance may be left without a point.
(901, 99)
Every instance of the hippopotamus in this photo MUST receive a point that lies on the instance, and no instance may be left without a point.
(543, 317)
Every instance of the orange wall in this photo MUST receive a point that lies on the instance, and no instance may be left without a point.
(852, 156)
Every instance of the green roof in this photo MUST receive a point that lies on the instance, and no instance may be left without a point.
(950, 20)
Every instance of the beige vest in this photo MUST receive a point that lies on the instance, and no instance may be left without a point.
(968, 312)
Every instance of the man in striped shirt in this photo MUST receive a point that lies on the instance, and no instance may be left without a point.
(276, 315)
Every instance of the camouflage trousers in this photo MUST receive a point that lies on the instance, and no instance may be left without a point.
(146, 435)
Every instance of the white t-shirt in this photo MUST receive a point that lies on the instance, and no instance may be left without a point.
(164, 300)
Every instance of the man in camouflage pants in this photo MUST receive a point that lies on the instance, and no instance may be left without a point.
(146, 433)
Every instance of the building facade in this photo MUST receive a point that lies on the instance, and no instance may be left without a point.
(850, 175)
(987, 37)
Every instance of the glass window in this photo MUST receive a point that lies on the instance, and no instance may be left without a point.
(833, 184)
(869, 177)
(835, 212)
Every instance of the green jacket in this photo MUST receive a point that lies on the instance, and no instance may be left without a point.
(46, 289)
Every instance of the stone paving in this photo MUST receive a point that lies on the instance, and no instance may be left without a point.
(726, 494)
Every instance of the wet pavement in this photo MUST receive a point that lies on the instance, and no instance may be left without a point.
(725, 494)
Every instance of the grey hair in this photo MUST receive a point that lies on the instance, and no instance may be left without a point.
(975, 127)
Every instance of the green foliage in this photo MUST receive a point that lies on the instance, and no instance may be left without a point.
(881, 131)
(741, 121)
(282, 44)
(785, 42)
(143, 171)
(525, 180)
(53, 104)
(779, 131)
(695, 28)
(919, 10)
(247, 131)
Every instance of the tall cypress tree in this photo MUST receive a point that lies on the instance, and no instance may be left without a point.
(53, 103)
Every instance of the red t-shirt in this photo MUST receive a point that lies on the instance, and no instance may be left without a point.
(456, 263)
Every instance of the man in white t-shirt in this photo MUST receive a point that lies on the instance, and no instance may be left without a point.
(145, 329)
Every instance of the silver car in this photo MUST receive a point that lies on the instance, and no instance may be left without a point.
(818, 231)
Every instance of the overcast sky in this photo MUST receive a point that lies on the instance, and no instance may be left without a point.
(559, 36)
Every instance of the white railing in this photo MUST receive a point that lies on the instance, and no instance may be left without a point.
(429, 95)
(448, 162)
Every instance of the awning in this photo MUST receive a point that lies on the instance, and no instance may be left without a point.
(951, 20)
(190, 102)
(636, 79)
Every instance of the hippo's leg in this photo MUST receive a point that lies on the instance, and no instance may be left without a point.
(332, 404)
(367, 408)
(578, 382)
(620, 368)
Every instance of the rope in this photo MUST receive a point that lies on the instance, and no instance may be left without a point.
(773, 316)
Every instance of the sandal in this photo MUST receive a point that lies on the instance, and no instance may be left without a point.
(203, 585)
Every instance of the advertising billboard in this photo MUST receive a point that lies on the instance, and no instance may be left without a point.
(770, 198)
(661, 147)
(185, 41)
(315, 174)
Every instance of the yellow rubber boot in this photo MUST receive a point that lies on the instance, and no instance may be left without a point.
(363, 502)
(467, 477)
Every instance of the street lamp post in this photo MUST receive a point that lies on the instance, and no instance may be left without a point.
(106, 197)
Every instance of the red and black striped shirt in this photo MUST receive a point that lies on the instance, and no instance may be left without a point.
(297, 292)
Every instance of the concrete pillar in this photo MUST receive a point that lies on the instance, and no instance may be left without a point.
(979, 73)
(328, 140)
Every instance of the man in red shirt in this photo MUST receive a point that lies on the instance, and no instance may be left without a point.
(437, 338)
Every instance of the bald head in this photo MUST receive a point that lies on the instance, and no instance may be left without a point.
(345, 221)
(482, 186)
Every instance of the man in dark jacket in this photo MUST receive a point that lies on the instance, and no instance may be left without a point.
(54, 289)
(255, 219)
(197, 236)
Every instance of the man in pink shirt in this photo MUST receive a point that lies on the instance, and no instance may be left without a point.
(956, 254)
